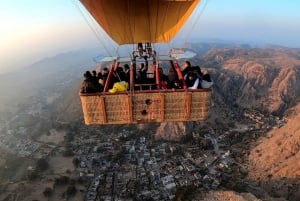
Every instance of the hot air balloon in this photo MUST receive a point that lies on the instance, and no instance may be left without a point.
(142, 23)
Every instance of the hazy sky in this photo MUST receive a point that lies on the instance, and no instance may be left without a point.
(33, 29)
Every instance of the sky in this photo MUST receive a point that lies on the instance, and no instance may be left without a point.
(31, 30)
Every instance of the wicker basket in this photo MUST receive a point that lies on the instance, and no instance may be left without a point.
(145, 107)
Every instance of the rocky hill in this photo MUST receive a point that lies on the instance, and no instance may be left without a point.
(264, 79)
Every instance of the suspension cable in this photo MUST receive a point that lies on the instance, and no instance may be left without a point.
(96, 32)
(195, 22)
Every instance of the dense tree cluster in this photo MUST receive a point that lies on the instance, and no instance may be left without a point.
(42, 164)
(63, 180)
(76, 162)
(48, 192)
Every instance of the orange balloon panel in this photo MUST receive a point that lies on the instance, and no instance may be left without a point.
(134, 21)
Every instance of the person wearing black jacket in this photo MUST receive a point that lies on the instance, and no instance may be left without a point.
(186, 68)
(88, 84)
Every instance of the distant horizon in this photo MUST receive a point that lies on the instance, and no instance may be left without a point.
(192, 40)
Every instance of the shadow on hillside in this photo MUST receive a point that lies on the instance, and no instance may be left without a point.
(265, 187)
(287, 188)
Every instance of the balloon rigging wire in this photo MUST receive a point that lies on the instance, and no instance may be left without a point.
(93, 28)
(195, 22)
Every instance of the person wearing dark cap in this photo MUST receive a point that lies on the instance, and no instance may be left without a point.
(88, 85)
(100, 81)
(141, 74)
(103, 76)
(120, 74)
(186, 68)
(192, 81)
(95, 80)
(206, 81)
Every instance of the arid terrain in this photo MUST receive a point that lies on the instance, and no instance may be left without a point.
(274, 160)
(255, 107)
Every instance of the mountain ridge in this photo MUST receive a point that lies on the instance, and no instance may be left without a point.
(267, 79)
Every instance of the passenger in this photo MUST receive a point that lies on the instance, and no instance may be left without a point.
(186, 68)
(119, 87)
(88, 85)
(140, 49)
(95, 78)
(197, 70)
(119, 81)
(127, 73)
(94, 73)
(206, 81)
(141, 75)
(192, 81)
(100, 81)
(119, 75)
(175, 84)
(163, 79)
(104, 74)
(171, 75)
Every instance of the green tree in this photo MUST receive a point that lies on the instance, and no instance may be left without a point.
(48, 192)
(61, 180)
(32, 175)
(42, 164)
(76, 162)
(71, 191)
(68, 152)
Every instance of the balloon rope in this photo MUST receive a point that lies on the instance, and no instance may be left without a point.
(93, 28)
(197, 16)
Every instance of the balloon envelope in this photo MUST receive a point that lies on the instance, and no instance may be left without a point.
(135, 21)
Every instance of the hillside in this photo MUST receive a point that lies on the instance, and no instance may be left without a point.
(274, 161)
(33, 93)
(264, 79)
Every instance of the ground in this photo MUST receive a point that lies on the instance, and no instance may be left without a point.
(273, 169)
(227, 196)
(53, 136)
(33, 190)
